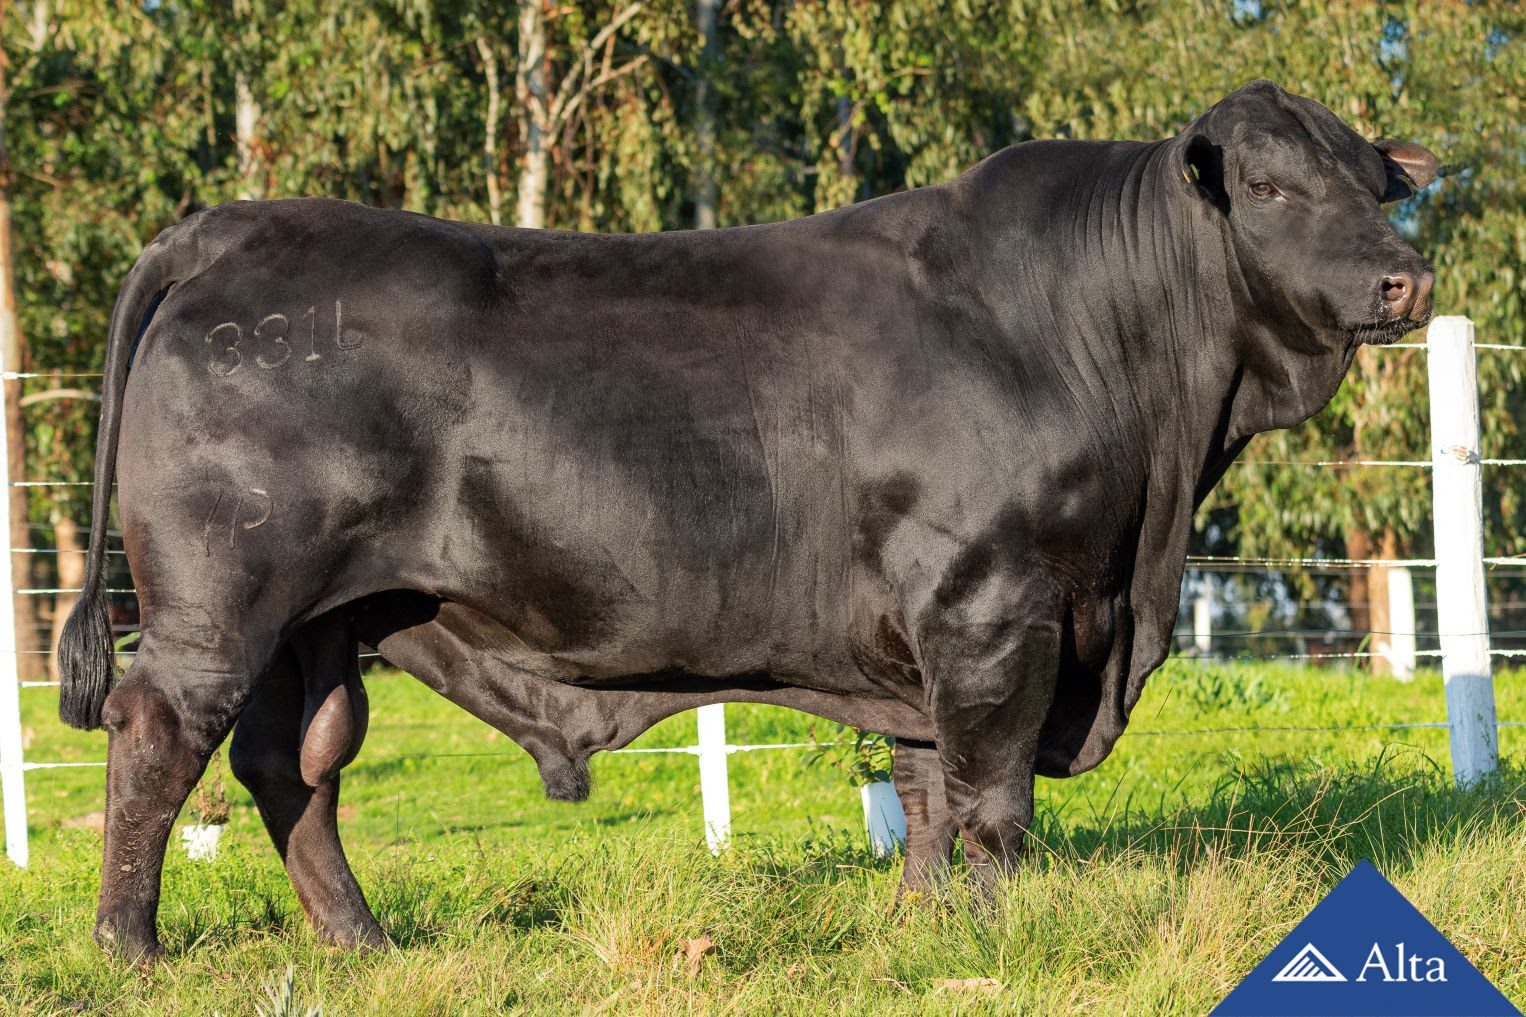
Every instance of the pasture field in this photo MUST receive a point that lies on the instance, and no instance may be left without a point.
(1161, 878)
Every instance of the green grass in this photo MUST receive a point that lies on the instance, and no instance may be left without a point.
(1164, 876)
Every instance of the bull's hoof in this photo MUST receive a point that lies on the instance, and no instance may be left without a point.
(363, 937)
(920, 895)
(127, 945)
(922, 882)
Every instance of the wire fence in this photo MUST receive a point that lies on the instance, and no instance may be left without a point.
(1344, 643)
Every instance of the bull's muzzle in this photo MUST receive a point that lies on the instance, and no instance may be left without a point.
(1407, 295)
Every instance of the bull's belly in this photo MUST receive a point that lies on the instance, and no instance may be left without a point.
(562, 709)
(590, 569)
(694, 631)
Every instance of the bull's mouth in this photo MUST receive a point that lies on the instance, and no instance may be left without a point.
(1385, 333)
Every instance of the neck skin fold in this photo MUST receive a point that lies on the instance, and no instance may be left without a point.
(1131, 302)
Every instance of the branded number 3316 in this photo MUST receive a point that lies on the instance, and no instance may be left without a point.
(275, 341)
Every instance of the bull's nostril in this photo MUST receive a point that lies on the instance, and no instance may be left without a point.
(1396, 288)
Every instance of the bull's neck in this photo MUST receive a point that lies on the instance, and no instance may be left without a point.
(1128, 293)
(1104, 261)
(1183, 314)
(1131, 293)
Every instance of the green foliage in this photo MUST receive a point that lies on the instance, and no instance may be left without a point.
(1225, 688)
(863, 755)
(283, 1000)
(122, 118)
(123, 656)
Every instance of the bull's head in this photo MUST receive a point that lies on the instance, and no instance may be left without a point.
(1296, 196)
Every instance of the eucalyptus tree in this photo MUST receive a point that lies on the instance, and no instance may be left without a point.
(1452, 75)
(652, 114)
(906, 93)
(25, 31)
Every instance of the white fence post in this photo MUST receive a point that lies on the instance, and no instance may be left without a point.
(714, 788)
(1399, 645)
(1461, 606)
(12, 767)
(883, 817)
(1202, 620)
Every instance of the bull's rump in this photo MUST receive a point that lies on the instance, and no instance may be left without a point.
(634, 453)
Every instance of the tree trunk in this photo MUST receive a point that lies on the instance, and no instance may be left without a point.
(1369, 592)
(1379, 618)
(839, 186)
(71, 576)
(11, 348)
(844, 139)
(530, 95)
(429, 192)
(704, 128)
(246, 118)
(490, 133)
(1358, 548)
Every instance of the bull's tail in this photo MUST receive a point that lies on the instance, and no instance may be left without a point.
(86, 656)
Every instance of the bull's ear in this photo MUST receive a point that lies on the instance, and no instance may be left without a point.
(1410, 167)
(1203, 170)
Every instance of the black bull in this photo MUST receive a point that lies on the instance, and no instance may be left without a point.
(926, 465)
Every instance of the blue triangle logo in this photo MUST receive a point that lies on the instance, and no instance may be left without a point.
(1364, 951)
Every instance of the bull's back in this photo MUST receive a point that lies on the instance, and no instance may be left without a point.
(622, 447)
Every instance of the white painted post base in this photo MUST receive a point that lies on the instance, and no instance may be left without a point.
(12, 763)
(884, 817)
(1399, 645)
(201, 841)
(12, 767)
(1202, 622)
(714, 787)
(1462, 614)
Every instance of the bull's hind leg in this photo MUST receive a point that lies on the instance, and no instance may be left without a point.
(164, 718)
(295, 779)
(930, 827)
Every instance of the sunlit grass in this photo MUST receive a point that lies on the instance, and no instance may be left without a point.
(1160, 879)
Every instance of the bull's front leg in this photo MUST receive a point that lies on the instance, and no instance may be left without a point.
(992, 672)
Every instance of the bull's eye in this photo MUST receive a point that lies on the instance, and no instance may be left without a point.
(1262, 189)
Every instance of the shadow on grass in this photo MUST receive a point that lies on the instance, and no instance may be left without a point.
(1387, 810)
(426, 908)
(652, 812)
(263, 913)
